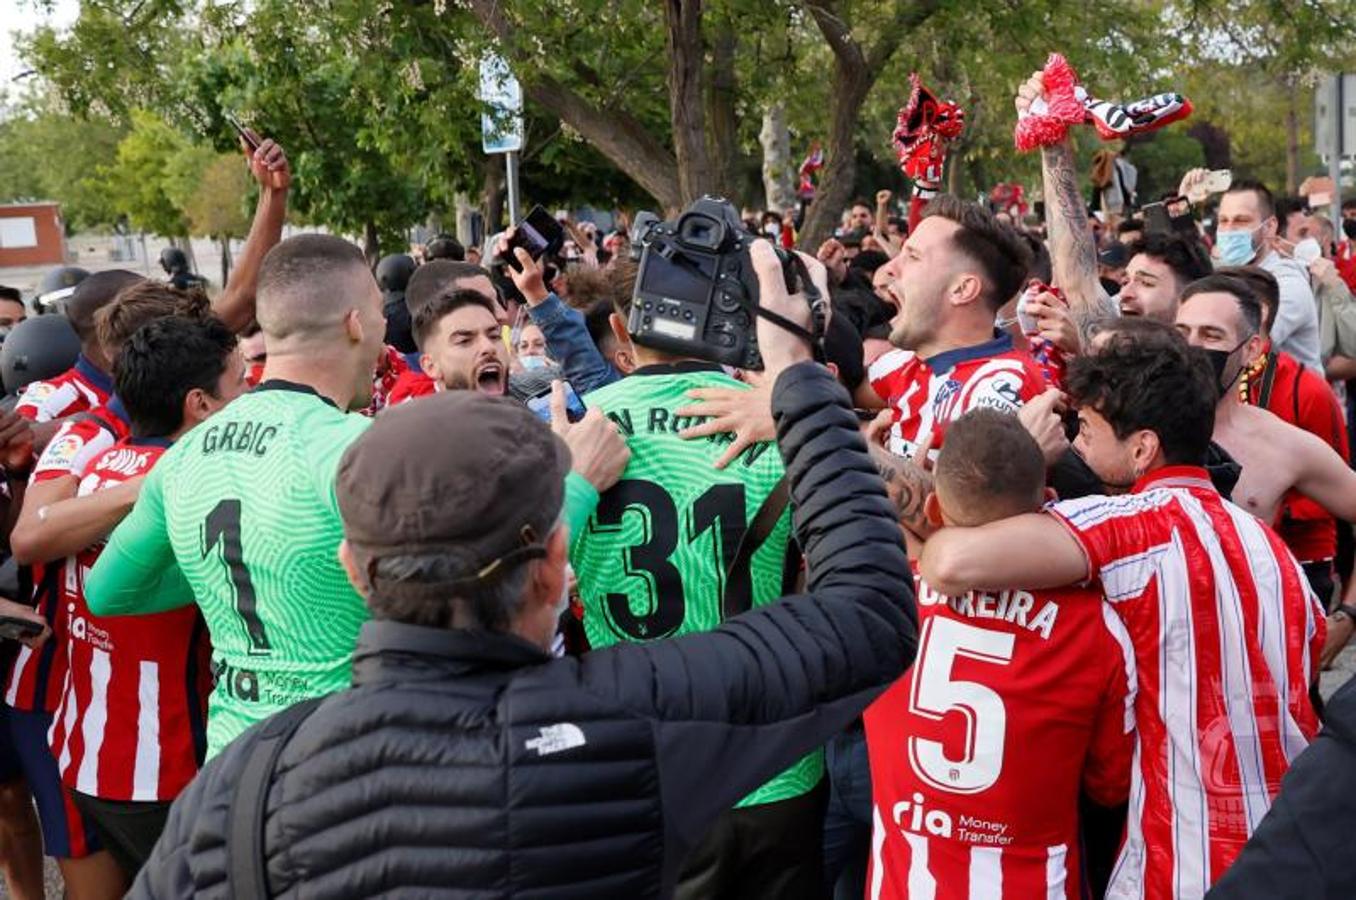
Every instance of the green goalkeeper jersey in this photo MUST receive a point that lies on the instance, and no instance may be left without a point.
(241, 515)
(652, 560)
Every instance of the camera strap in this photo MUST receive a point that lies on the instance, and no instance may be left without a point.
(805, 285)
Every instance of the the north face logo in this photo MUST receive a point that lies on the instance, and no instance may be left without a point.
(555, 738)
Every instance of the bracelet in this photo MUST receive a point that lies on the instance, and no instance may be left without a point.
(1347, 610)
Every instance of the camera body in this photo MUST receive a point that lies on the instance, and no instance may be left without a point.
(696, 292)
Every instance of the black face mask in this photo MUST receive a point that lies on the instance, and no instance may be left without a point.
(1349, 228)
(1219, 361)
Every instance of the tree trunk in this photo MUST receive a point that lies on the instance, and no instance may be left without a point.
(1292, 137)
(225, 259)
(778, 182)
(463, 218)
(855, 70)
(683, 38)
(371, 245)
(840, 164)
(492, 195)
(723, 122)
(626, 142)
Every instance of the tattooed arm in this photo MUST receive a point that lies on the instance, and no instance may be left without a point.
(1071, 246)
(908, 486)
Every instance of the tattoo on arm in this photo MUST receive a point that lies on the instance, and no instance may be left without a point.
(907, 485)
(1071, 246)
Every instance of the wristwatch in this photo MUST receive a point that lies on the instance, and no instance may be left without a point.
(1346, 609)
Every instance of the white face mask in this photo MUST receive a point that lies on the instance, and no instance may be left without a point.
(1307, 250)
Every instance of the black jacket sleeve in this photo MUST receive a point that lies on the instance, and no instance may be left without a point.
(1302, 848)
(735, 706)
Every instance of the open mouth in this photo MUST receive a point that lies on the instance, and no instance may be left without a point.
(489, 378)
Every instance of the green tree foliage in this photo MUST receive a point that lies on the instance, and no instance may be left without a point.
(48, 155)
(137, 180)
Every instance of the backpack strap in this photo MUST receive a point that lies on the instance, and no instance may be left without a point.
(246, 865)
(766, 519)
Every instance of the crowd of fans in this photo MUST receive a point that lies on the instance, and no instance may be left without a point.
(429, 578)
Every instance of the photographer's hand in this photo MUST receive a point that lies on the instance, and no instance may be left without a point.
(780, 347)
(527, 278)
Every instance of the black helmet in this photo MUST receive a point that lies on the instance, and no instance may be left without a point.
(172, 260)
(444, 246)
(394, 271)
(38, 348)
(57, 285)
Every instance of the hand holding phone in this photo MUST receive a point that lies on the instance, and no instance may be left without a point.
(250, 139)
(538, 234)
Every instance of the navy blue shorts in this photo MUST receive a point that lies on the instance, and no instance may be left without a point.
(10, 769)
(65, 833)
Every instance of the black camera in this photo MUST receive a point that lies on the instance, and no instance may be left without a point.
(696, 292)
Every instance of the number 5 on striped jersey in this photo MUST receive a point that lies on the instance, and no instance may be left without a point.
(934, 693)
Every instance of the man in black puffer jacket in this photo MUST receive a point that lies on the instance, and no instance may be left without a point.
(465, 761)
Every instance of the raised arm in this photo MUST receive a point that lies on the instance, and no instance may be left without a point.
(1072, 251)
(269, 166)
(1324, 477)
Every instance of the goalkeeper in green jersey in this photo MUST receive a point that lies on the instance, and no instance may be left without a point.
(241, 512)
(659, 557)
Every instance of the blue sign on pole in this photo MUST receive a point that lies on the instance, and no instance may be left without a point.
(501, 124)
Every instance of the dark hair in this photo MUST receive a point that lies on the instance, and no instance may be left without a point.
(869, 315)
(1286, 206)
(92, 295)
(428, 315)
(1146, 377)
(1266, 203)
(1264, 286)
(868, 261)
(162, 362)
(598, 321)
(843, 348)
(1349, 204)
(991, 466)
(1130, 225)
(860, 201)
(435, 278)
(1042, 267)
(1002, 257)
(444, 246)
(141, 302)
(1249, 307)
(9, 293)
(899, 222)
(1185, 255)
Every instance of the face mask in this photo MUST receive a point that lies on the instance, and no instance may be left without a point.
(532, 362)
(1307, 250)
(1235, 247)
(1349, 228)
(772, 230)
(1219, 361)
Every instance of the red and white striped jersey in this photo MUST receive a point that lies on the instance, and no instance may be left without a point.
(34, 682)
(927, 394)
(1016, 698)
(79, 388)
(131, 725)
(1226, 635)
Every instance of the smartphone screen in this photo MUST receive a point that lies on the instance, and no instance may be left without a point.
(1156, 219)
(538, 234)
